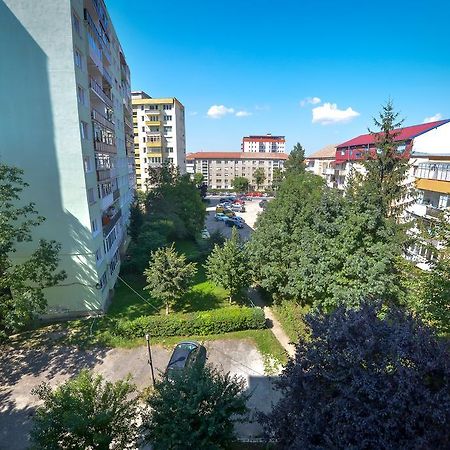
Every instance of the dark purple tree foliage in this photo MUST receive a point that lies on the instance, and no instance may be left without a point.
(367, 379)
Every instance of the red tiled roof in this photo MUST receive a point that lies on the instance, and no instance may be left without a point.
(235, 155)
(324, 153)
(404, 134)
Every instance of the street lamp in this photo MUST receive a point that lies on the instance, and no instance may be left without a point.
(147, 338)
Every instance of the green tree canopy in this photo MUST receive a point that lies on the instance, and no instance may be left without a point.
(168, 275)
(196, 409)
(240, 184)
(86, 412)
(198, 178)
(277, 178)
(228, 267)
(259, 177)
(296, 161)
(22, 283)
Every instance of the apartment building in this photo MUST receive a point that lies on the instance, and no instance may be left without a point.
(263, 144)
(220, 168)
(159, 134)
(322, 163)
(67, 122)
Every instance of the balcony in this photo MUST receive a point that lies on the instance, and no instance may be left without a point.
(103, 147)
(433, 211)
(106, 201)
(430, 171)
(328, 171)
(103, 175)
(97, 89)
(154, 144)
(101, 119)
(109, 219)
(116, 194)
(153, 123)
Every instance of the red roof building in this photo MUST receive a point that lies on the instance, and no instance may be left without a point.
(354, 149)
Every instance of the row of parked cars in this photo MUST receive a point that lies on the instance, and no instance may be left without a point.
(226, 211)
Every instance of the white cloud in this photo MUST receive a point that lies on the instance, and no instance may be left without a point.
(218, 111)
(310, 101)
(243, 114)
(329, 113)
(434, 118)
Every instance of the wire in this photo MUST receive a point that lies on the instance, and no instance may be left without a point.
(137, 293)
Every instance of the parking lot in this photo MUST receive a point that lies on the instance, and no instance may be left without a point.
(250, 215)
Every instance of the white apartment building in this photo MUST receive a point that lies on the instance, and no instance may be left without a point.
(67, 76)
(322, 163)
(263, 144)
(220, 168)
(427, 146)
(159, 134)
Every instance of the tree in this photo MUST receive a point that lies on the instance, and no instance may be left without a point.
(196, 409)
(429, 290)
(277, 178)
(177, 199)
(22, 283)
(198, 179)
(168, 275)
(227, 266)
(240, 184)
(136, 220)
(364, 379)
(86, 412)
(386, 167)
(259, 176)
(296, 161)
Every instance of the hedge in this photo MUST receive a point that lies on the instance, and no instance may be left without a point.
(217, 321)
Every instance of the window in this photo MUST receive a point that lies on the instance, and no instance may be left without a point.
(167, 117)
(143, 128)
(103, 282)
(170, 149)
(153, 107)
(142, 107)
(78, 59)
(94, 226)
(87, 161)
(142, 117)
(113, 263)
(81, 95)
(84, 130)
(76, 24)
(99, 255)
(91, 196)
(143, 139)
(167, 129)
(168, 107)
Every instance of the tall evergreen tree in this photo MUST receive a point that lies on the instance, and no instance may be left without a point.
(296, 161)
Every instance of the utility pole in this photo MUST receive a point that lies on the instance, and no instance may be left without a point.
(150, 361)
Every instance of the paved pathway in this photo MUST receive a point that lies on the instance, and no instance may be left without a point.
(276, 328)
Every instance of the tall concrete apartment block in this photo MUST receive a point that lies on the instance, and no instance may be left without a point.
(263, 144)
(159, 134)
(66, 120)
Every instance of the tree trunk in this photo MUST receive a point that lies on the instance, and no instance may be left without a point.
(167, 308)
(229, 299)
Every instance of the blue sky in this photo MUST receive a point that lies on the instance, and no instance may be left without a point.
(263, 58)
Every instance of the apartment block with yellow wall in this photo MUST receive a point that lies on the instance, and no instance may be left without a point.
(159, 134)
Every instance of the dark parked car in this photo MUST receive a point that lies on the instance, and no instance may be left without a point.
(234, 222)
(184, 355)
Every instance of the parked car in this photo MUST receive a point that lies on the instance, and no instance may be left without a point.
(234, 222)
(229, 213)
(238, 208)
(240, 218)
(263, 204)
(220, 217)
(185, 354)
(205, 234)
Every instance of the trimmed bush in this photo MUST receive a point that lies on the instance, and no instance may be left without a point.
(217, 321)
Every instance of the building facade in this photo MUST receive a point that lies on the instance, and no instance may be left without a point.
(67, 70)
(263, 144)
(322, 163)
(220, 168)
(427, 147)
(159, 134)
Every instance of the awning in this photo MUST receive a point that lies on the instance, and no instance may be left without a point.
(442, 187)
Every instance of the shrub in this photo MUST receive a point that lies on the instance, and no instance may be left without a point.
(224, 320)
